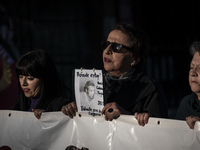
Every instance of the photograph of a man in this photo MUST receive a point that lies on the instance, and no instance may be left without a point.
(89, 89)
(88, 94)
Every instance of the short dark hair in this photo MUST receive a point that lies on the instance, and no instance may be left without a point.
(138, 41)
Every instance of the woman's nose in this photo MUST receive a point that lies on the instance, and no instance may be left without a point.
(108, 49)
(24, 82)
(193, 72)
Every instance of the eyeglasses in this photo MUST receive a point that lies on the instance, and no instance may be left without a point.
(116, 47)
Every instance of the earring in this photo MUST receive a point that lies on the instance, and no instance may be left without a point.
(133, 63)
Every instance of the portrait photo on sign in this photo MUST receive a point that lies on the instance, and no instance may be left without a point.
(88, 86)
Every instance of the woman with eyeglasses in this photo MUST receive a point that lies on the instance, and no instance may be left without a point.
(41, 88)
(127, 89)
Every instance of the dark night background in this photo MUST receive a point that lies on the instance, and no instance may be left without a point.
(71, 32)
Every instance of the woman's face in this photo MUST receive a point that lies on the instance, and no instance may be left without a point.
(117, 63)
(30, 85)
(194, 74)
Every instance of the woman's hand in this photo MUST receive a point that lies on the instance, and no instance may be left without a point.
(37, 112)
(70, 109)
(142, 118)
(113, 111)
(191, 121)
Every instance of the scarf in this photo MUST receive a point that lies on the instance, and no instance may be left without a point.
(113, 83)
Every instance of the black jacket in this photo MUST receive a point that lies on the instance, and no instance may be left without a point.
(53, 105)
(189, 106)
(138, 93)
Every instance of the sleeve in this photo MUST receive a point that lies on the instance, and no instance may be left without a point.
(56, 104)
(17, 105)
(151, 98)
(155, 105)
(181, 111)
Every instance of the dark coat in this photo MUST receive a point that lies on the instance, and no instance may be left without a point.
(189, 106)
(138, 93)
(53, 105)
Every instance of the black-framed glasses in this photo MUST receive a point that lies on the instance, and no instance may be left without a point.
(116, 47)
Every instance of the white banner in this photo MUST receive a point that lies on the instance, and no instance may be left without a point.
(55, 131)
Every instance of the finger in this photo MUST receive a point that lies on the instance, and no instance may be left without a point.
(71, 111)
(190, 124)
(105, 108)
(190, 121)
(74, 106)
(108, 116)
(146, 118)
(66, 111)
(197, 118)
(39, 115)
(36, 115)
(141, 119)
(113, 113)
(136, 115)
(110, 119)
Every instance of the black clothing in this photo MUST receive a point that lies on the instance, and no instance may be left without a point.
(53, 105)
(136, 92)
(189, 106)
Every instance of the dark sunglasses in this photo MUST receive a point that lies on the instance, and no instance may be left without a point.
(116, 47)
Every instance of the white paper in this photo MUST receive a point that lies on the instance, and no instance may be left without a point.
(88, 88)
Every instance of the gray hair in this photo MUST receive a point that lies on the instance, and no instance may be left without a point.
(195, 47)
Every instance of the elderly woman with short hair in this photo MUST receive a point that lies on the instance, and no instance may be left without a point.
(127, 89)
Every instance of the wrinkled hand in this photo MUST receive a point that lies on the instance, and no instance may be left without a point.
(142, 118)
(113, 111)
(70, 109)
(37, 112)
(191, 121)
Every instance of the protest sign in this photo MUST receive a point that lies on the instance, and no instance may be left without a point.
(88, 87)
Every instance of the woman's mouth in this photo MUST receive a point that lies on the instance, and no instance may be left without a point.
(106, 59)
(26, 90)
(194, 82)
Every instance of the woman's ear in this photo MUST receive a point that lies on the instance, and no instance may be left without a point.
(135, 61)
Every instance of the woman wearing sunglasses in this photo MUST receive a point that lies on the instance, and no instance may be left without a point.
(127, 90)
